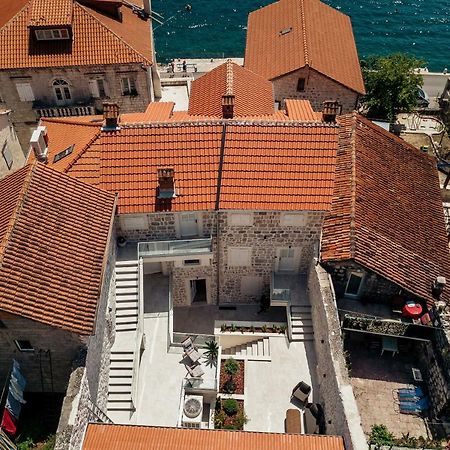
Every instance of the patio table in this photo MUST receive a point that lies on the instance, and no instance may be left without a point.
(389, 344)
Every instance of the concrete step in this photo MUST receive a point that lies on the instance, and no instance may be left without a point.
(117, 355)
(266, 345)
(125, 328)
(126, 276)
(126, 269)
(119, 389)
(119, 397)
(124, 320)
(126, 263)
(302, 338)
(301, 314)
(260, 348)
(120, 371)
(300, 308)
(255, 348)
(124, 297)
(124, 290)
(121, 313)
(302, 325)
(120, 406)
(122, 364)
(127, 308)
(120, 380)
(129, 282)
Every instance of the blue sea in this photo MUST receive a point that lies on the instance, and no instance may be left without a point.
(217, 28)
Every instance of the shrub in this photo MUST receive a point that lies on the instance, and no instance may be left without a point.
(229, 386)
(219, 419)
(264, 328)
(223, 327)
(231, 366)
(230, 406)
(233, 327)
(240, 420)
(252, 329)
(379, 434)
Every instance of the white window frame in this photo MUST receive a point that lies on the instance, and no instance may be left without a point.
(25, 92)
(7, 155)
(292, 219)
(52, 34)
(16, 341)
(361, 276)
(61, 86)
(239, 256)
(128, 86)
(96, 89)
(240, 219)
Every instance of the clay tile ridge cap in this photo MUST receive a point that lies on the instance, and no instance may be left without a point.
(305, 40)
(229, 80)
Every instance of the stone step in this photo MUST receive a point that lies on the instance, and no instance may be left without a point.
(127, 328)
(302, 338)
(118, 355)
(127, 308)
(124, 297)
(266, 344)
(126, 263)
(260, 348)
(126, 269)
(126, 276)
(120, 406)
(255, 349)
(127, 283)
(124, 290)
(120, 380)
(121, 364)
(125, 313)
(297, 308)
(123, 320)
(301, 314)
(119, 397)
(122, 371)
(119, 389)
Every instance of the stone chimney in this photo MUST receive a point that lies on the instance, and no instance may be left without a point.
(166, 183)
(331, 109)
(438, 286)
(111, 116)
(228, 106)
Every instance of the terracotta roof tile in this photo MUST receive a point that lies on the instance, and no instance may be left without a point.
(387, 210)
(253, 95)
(131, 437)
(291, 34)
(96, 41)
(301, 110)
(9, 9)
(50, 12)
(53, 232)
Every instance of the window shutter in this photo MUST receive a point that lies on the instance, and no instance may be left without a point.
(25, 92)
(93, 87)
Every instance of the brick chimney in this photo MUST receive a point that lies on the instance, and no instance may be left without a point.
(166, 183)
(111, 116)
(331, 109)
(228, 106)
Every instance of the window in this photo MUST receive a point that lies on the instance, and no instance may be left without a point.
(292, 220)
(24, 346)
(191, 262)
(97, 88)
(62, 91)
(354, 284)
(25, 92)
(128, 86)
(7, 156)
(301, 84)
(50, 35)
(239, 256)
(63, 153)
(240, 219)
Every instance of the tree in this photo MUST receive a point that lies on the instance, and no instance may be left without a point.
(391, 84)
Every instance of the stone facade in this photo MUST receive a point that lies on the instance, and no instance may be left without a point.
(261, 235)
(11, 155)
(24, 113)
(318, 88)
(335, 392)
(47, 368)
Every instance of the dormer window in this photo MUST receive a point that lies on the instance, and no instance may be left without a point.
(52, 34)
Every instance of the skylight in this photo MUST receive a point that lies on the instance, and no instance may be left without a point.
(64, 153)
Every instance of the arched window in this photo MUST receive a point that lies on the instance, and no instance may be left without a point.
(62, 92)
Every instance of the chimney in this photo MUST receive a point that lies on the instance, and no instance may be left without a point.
(111, 116)
(228, 106)
(331, 109)
(39, 143)
(166, 183)
(438, 286)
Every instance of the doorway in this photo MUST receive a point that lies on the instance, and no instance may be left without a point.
(198, 291)
(286, 261)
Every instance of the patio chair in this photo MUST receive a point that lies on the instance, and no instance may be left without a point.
(195, 371)
(193, 354)
(301, 391)
(187, 344)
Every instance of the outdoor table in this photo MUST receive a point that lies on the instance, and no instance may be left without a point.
(412, 309)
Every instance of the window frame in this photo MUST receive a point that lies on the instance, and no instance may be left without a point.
(52, 34)
(128, 86)
(301, 84)
(361, 277)
(18, 345)
(6, 150)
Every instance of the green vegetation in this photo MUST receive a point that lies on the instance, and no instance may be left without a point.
(380, 435)
(230, 406)
(231, 367)
(391, 84)
(212, 352)
(229, 386)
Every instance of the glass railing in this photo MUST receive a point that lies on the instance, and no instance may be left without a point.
(198, 340)
(193, 384)
(278, 293)
(175, 248)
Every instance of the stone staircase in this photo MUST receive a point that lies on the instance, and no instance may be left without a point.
(120, 381)
(255, 350)
(301, 323)
(126, 295)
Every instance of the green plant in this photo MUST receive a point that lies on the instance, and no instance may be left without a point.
(240, 420)
(231, 367)
(229, 386)
(242, 329)
(212, 350)
(49, 443)
(275, 328)
(283, 329)
(230, 406)
(379, 434)
(219, 419)
(232, 327)
(264, 328)
(223, 327)
(27, 444)
(252, 329)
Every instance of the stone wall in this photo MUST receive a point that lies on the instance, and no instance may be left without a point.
(335, 390)
(48, 367)
(24, 116)
(9, 138)
(318, 88)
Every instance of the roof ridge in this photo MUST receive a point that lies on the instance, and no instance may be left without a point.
(353, 185)
(69, 122)
(112, 32)
(18, 13)
(305, 41)
(20, 200)
(229, 89)
(82, 151)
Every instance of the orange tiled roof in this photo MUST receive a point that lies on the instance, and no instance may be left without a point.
(97, 39)
(9, 9)
(301, 110)
(50, 12)
(387, 209)
(253, 95)
(132, 437)
(290, 34)
(53, 236)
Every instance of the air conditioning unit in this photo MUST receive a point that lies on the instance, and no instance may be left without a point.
(192, 411)
(38, 143)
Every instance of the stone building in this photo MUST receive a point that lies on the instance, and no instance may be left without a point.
(54, 237)
(307, 50)
(385, 246)
(12, 157)
(64, 58)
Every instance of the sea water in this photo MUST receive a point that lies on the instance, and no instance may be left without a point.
(217, 28)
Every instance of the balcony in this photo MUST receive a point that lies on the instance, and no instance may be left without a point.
(85, 108)
(173, 249)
